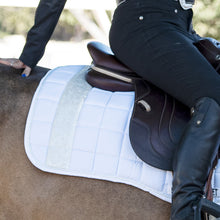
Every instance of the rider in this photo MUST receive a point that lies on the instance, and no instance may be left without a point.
(155, 39)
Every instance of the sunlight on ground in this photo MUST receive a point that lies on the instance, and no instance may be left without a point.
(58, 53)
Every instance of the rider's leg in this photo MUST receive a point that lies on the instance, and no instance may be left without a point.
(194, 159)
(154, 41)
(151, 38)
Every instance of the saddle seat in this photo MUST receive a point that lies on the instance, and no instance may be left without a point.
(107, 72)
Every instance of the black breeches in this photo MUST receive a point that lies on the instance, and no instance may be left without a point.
(155, 40)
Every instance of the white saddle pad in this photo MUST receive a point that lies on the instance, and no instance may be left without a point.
(74, 129)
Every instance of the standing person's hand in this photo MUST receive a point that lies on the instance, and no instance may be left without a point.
(17, 64)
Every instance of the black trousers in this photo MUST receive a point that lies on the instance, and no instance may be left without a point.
(155, 39)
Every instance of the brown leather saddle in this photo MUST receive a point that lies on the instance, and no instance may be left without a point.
(158, 120)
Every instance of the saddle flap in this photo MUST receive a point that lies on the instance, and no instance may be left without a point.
(156, 125)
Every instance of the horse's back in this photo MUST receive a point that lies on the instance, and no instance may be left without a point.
(28, 193)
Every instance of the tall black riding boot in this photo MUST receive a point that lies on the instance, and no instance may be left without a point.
(193, 162)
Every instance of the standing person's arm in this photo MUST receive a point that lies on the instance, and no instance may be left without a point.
(46, 18)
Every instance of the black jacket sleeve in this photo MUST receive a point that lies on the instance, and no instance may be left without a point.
(46, 18)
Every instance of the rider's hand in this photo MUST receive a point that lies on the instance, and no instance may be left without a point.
(17, 64)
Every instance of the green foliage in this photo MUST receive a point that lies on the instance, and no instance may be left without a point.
(15, 20)
(69, 28)
(207, 18)
(19, 20)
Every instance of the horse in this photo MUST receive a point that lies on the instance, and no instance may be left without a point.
(29, 193)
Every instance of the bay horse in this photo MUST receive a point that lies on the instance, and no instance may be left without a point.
(28, 193)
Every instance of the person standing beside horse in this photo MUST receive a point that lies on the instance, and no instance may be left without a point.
(156, 40)
(46, 18)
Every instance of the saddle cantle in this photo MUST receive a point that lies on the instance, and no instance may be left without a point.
(158, 119)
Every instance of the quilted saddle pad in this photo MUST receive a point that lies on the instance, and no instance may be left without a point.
(74, 129)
